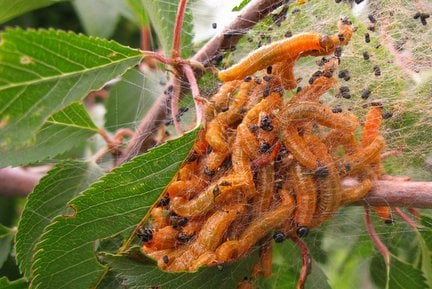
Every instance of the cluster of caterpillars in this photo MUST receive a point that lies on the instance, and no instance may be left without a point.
(265, 165)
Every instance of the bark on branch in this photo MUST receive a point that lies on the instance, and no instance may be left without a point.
(400, 194)
(20, 182)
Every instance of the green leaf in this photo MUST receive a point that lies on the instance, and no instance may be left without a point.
(110, 281)
(98, 17)
(4, 231)
(11, 9)
(137, 274)
(49, 199)
(139, 11)
(162, 16)
(65, 257)
(402, 275)
(425, 240)
(42, 72)
(426, 230)
(131, 98)
(17, 284)
(6, 236)
(62, 131)
(241, 5)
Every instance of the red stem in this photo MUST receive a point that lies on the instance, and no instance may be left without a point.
(198, 100)
(159, 57)
(374, 236)
(105, 137)
(145, 38)
(405, 218)
(306, 262)
(177, 29)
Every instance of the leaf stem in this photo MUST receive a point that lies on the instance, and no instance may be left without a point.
(306, 262)
(198, 100)
(404, 217)
(145, 45)
(374, 236)
(178, 28)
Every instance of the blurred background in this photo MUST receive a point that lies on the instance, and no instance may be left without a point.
(400, 46)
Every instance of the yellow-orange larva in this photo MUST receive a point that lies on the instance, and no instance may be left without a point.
(356, 192)
(208, 238)
(370, 132)
(261, 58)
(265, 189)
(313, 91)
(384, 213)
(163, 238)
(218, 192)
(222, 97)
(327, 179)
(307, 110)
(297, 146)
(372, 125)
(265, 263)
(305, 193)
(264, 223)
(287, 50)
(285, 71)
(337, 137)
(358, 160)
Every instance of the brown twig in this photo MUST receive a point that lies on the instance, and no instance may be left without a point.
(198, 100)
(400, 194)
(112, 145)
(19, 182)
(250, 15)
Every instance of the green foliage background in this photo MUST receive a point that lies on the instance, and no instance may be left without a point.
(65, 236)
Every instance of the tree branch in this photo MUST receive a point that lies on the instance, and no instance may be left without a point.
(400, 194)
(231, 34)
(19, 181)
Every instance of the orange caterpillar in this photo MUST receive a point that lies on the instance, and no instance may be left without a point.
(288, 50)
(370, 133)
(264, 166)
